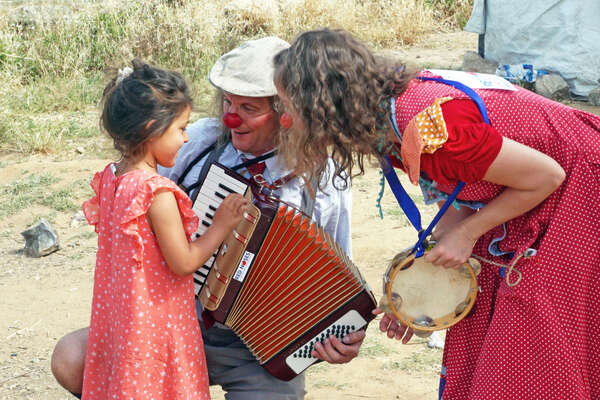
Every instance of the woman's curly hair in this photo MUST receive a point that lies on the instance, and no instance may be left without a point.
(337, 87)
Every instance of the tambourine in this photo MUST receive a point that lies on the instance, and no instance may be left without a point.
(428, 297)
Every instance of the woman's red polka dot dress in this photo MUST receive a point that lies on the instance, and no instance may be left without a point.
(539, 339)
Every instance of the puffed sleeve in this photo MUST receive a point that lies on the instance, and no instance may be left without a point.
(91, 207)
(470, 149)
(141, 202)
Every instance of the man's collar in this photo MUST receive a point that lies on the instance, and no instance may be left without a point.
(274, 165)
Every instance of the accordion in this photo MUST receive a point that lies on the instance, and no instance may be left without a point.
(278, 281)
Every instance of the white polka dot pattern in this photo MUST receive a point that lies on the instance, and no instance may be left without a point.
(432, 127)
(144, 341)
(539, 339)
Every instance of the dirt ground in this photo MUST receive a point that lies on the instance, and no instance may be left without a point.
(45, 298)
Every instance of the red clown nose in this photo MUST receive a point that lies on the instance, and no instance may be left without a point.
(286, 120)
(232, 120)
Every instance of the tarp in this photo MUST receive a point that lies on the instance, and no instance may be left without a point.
(560, 36)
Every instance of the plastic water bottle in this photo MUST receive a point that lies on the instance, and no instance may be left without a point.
(519, 72)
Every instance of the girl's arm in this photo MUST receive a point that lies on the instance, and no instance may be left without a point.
(529, 176)
(185, 257)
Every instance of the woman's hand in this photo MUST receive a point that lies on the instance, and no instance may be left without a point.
(528, 177)
(452, 249)
(390, 325)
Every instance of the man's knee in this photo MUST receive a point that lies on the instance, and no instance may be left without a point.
(68, 360)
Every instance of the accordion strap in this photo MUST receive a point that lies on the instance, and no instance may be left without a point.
(214, 152)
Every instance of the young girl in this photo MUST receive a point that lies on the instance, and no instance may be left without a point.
(144, 340)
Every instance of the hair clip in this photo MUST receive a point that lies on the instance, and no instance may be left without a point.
(123, 73)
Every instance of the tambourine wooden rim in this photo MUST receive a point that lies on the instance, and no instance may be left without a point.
(437, 323)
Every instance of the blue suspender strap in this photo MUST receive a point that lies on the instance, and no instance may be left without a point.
(422, 236)
(466, 90)
(406, 203)
(409, 207)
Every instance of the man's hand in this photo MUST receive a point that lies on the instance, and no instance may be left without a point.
(389, 324)
(335, 351)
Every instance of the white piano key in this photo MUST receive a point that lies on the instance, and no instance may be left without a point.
(207, 202)
(197, 288)
(205, 269)
(217, 173)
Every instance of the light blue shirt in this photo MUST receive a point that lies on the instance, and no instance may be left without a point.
(332, 208)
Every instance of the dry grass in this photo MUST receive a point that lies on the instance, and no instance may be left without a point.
(53, 54)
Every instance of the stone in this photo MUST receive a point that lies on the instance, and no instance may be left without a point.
(78, 219)
(552, 86)
(472, 62)
(594, 96)
(40, 239)
(435, 341)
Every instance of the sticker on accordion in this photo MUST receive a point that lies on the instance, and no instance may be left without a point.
(242, 269)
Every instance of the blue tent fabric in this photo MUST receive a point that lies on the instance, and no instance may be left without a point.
(559, 36)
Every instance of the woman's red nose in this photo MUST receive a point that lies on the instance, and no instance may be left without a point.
(232, 120)
(286, 120)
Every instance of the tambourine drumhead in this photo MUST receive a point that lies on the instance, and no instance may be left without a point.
(428, 297)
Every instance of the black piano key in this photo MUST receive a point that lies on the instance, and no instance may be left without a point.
(211, 207)
(209, 216)
(226, 188)
(220, 195)
(205, 224)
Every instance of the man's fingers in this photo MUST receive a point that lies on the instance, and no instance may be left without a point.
(354, 337)
(325, 352)
(334, 351)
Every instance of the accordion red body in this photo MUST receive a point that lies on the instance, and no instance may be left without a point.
(279, 281)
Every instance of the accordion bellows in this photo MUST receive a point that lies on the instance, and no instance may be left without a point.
(282, 284)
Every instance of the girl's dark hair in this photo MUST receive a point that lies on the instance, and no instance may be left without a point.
(337, 87)
(142, 105)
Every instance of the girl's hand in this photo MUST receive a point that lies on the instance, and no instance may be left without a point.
(230, 212)
(390, 325)
(452, 249)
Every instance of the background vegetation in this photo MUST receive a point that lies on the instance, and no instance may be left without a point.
(53, 54)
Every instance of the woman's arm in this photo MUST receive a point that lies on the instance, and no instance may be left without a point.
(529, 176)
(451, 217)
(185, 257)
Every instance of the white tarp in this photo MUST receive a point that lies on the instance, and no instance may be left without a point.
(560, 36)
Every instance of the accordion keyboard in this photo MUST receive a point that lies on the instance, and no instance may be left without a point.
(301, 359)
(216, 186)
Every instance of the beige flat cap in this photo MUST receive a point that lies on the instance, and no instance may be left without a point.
(248, 69)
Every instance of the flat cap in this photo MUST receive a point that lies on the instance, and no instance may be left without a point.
(248, 69)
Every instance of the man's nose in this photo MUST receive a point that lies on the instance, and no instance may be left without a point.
(231, 108)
